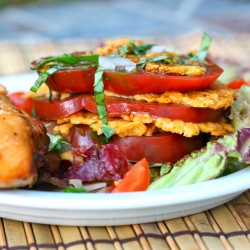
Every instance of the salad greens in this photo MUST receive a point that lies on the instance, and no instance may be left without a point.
(240, 110)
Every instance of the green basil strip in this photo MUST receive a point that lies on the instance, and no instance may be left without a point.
(141, 49)
(100, 138)
(136, 49)
(204, 47)
(143, 61)
(100, 103)
(43, 77)
(124, 49)
(68, 60)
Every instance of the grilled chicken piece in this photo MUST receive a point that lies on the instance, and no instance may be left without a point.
(23, 144)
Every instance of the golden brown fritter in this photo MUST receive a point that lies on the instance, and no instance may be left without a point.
(217, 96)
(142, 124)
(187, 70)
(112, 46)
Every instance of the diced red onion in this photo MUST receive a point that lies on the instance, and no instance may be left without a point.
(112, 63)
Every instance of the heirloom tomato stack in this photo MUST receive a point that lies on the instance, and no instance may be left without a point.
(127, 101)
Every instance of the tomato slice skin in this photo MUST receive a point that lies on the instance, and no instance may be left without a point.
(116, 106)
(136, 179)
(121, 106)
(20, 100)
(56, 109)
(159, 148)
(236, 84)
(129, 83)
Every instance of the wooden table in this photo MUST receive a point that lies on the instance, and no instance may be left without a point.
(224, 227)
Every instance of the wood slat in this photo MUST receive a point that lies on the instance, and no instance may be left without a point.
(70, 237)
(230, 227)
(43, 236)
(128, 237)
(239, 207)
(57, 237)
(142, 238)
(217, 229)
(86, 238)
(154, 236)
(114, 238)
(169, 239)
(182, 235)
(100, 238)
(3, 242)
(15, 234)
(196, 236)
(202, 225)
(29, 236)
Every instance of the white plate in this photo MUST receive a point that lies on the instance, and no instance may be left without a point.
(114, 209)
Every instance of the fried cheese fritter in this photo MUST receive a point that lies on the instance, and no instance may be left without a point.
(112, 46)
(141, 124)
(217, 96)
(187, 70)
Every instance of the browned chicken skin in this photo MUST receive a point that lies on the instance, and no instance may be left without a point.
(23, 144)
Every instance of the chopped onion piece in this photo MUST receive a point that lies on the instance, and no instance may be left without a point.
(76, 183)
(94, 186)
(88, 187)
(113, 63)
(157, 49)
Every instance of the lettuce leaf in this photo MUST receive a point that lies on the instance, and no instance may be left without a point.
(209, 162)
(240, 110)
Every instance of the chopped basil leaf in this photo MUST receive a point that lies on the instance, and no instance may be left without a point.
(136, 49)
(107, 130)
(57, 143)
(143, 61)
(204, 47)
(67, 60)
(141, 49)
(60, 62)
(125, 49)
(43, 77)
(100, 138)
(75, 190)
(100, 103)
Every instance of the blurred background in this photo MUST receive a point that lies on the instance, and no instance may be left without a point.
(30, 19)
(34, 28)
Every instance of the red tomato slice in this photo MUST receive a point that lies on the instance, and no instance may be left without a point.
(236, 84)
(136, 179)
(129, 83)
(21, 101)
(116, 106)
(159, 148)
(56, 109)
